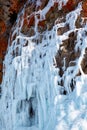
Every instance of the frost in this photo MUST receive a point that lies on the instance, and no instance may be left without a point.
(32, 99)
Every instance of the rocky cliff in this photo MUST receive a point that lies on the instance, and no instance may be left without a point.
(9, 11)
(8, 14)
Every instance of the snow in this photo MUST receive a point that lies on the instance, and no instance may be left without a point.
(27, 128)
(31, 97)
(72, 16)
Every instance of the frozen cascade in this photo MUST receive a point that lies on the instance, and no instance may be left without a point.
(28, 84)
(28, 99)
(31, 96)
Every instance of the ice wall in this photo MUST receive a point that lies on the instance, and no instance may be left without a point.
(29, 81)
(32, 96)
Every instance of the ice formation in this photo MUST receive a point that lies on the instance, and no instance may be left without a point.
(31, 97)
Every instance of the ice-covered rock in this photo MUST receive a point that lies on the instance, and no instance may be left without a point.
(44, 77)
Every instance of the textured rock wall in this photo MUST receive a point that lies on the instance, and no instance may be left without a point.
(8, 13)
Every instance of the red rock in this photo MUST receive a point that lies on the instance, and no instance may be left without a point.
(71, 4)
(84, 8)
(42, 23)
(31, 20)
(3, 48)
(16, 5)
(2, 27)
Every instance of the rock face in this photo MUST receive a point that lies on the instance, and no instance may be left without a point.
(8, 14)
(53, 16)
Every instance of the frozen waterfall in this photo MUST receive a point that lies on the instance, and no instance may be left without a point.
(29, 82)
(32, 95)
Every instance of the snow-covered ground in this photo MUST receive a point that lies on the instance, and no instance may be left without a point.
(31, 98)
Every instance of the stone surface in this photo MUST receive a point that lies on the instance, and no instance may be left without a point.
(9, 10)
(8, 15)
